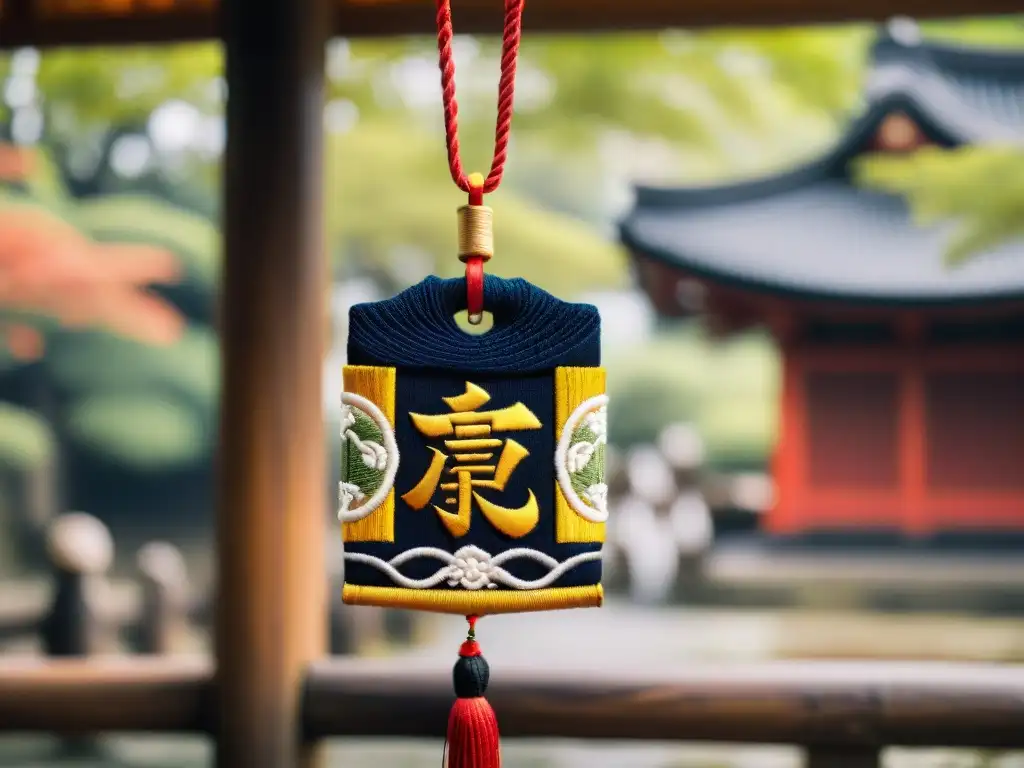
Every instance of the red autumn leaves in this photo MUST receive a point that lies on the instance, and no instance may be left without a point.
(48, 268)
(15, 163)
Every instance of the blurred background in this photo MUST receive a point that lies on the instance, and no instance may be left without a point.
(786, 175)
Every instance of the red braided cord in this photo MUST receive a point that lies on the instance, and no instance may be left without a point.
(474, 285)
(506, 92)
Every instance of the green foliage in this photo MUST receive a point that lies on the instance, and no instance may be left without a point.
(389, 191)
(94, 89)
(143, 406)
(644, 405)
(727, 389)
(721, 103)
(95, 362)
(979, 189)
(26, 440)
(739, 432)
(46, 183)
(992, 31)
(139, 430)
(168, 394)
(822, 66)
(139, 219)
(684, 87)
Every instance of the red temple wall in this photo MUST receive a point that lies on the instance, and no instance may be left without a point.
(919, 439)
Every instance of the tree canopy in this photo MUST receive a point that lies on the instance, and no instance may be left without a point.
(978, 189)
(123, 194)
(77, 301)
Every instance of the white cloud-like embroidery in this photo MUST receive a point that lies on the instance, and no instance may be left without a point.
(597, 496)
(578, 456)
(348, 494)
(571, 458)
(597, 422)
(348, 419)
(383, 458)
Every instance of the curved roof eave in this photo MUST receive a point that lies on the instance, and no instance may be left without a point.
(697, 269)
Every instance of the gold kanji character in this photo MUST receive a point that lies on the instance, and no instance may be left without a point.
(472, 444)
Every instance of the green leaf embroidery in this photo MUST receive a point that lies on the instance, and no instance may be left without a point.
(593, 472)
(353, 468)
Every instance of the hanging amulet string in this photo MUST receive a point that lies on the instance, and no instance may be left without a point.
(472, 465)
(472, 739)
(476, 226)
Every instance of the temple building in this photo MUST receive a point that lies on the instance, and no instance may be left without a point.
(902, 406)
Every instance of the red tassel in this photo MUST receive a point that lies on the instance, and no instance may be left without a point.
(472, 735)
(472, 725)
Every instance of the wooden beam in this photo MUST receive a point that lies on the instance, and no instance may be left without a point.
(79, 696)
(371, 18)
(812, 704)
(85, 30)
(850, 709)
(271, 605)
(844, 758)
(395, 17)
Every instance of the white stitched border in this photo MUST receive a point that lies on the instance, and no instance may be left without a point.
(585, 511)
(387, 483)
(506, 578)
(472, 567)
(396, 576)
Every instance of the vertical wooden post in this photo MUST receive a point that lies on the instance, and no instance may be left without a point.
(789, 463)
(271, 607)
(913, 438)
(81, 551)
(163, 620)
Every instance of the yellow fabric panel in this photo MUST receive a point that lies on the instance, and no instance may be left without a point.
(378, 386)
(572, 387)
(480, 603)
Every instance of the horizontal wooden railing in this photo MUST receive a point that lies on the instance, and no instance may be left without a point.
(808, 703)
(828, 708)
(135, 693)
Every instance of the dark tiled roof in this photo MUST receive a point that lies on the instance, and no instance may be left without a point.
(811, 232)
(971, 94)
(823, 239)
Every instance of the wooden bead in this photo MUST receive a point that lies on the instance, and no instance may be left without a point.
(476, 232)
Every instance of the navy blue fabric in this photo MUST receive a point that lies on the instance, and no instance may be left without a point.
(422, 392)
(533, 331)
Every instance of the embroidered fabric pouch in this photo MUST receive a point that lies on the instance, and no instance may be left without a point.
(472, 466)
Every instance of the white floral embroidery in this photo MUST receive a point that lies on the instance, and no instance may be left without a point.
(471, 569)
(348, 493)
(597, 496)
(597, 422)
(571, 458)
(381, 457)
(578, 456)
(348, 419)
